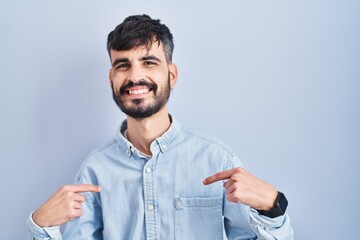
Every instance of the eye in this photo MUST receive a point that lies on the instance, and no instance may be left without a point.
(149, 63)
(123, 66)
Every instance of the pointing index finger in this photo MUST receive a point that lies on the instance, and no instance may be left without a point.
(82, 188)
(218, 176)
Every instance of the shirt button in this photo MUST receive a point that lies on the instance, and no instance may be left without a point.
(148, 170)
(164, 146)
(178, 204)
(150, 207)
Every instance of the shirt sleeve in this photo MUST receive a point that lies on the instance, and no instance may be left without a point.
(243, 222)
(89, 226)
(38, 233)
(271, 228)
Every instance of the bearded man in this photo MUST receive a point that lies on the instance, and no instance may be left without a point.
(157, 179)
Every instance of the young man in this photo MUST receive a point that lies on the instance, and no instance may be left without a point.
(156, 179)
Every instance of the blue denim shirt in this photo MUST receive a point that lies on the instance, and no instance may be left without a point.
(162, 197)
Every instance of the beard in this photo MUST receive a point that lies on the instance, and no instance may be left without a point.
(137, 108)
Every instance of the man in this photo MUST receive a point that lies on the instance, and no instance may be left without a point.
(156, 179)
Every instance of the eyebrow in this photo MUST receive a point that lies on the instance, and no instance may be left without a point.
(149, 57)
(126, 60)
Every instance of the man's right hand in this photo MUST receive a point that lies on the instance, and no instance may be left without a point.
(63, 206)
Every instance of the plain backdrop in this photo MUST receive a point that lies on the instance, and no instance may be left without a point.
(278, 81)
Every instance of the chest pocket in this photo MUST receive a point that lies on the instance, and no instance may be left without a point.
(198, 218)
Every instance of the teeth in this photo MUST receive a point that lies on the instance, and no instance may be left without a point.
(139, 91)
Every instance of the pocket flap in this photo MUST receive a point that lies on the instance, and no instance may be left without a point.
(198, 202)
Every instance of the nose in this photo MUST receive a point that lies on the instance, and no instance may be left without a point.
(135, 74)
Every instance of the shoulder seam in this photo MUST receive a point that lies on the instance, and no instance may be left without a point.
(212, 140)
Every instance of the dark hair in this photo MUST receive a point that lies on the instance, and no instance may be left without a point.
(141, 30)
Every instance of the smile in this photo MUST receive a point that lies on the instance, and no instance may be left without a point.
(138, 90)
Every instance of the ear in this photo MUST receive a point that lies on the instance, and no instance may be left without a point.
(173, 73)
(111, 77)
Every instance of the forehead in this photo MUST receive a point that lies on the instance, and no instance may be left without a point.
(155, 49)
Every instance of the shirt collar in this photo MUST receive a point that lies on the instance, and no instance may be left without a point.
(163, 142)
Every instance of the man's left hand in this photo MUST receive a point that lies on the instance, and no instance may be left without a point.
(243, 187)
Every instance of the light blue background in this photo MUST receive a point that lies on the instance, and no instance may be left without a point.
(278, 81)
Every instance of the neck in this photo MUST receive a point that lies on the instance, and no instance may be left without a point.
(142, 132)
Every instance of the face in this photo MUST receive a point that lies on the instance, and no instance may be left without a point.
(141, 80)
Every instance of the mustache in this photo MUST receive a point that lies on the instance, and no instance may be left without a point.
(130, 84)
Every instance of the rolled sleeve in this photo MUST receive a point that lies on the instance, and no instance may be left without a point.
(271, 228)
(38, 233)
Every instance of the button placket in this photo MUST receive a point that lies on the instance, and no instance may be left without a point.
(149, 200)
